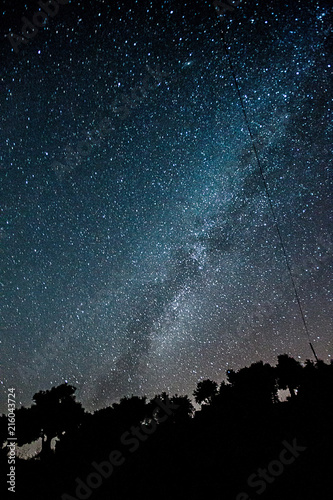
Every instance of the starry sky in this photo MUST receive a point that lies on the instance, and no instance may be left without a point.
(138, 249)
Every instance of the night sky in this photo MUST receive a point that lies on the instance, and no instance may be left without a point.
(138, 249)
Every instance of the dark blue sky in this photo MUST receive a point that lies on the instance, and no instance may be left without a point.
(139, 253)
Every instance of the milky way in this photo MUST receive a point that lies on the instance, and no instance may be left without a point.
(139, 252)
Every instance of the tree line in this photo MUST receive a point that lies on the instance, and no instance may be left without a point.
(162, 447)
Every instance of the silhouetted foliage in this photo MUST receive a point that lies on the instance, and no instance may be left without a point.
(185, 408)
(55, 411)
(205, 392)
(289, 373)
(27, 425)
(254, 385)
(130, 410)
(240, 428)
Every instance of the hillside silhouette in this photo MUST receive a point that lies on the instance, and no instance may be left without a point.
(243, 443)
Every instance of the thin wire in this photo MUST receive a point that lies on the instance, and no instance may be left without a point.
(268, 197)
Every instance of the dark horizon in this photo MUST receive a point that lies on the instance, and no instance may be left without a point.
(127, 449)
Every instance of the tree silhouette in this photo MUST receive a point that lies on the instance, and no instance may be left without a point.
(317, 382)
(55, 411)
(185, 408)
(254, 385)
(205, 392)
(27, 425)
(154, 410)
(241, 424)
(289, 373)
(131, 410)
